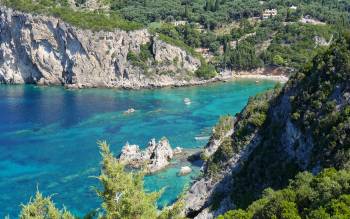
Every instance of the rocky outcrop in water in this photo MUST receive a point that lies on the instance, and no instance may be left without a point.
(45, 50)
(154, 158)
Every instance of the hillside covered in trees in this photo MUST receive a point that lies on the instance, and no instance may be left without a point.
(302, 127)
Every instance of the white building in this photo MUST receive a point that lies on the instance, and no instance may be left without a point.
(178, 23)
(269, 13)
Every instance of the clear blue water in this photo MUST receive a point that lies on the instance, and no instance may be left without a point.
(48, 135)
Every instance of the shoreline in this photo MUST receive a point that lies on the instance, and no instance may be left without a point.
(224, 76)
(279, 78)
(218, 79)
(266, 73)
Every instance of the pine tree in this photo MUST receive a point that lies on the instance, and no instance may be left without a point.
(217, 5)
(123, 193)
(42, 208)
(123, 196)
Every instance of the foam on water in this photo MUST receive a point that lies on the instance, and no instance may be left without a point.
(48, 135)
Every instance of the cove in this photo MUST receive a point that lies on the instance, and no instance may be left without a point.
(48, 136)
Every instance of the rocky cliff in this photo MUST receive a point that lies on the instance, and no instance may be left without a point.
(45, 50)
(154, 158)
(303, 126)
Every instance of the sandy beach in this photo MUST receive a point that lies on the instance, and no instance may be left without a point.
(266, 73)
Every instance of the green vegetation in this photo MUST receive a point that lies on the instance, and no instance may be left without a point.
(243, 57)
(181, 44)
(206, 71)
(122, 195)
(43, 207)
(223, 154)
(224, 125)
(295, 44)
(142, 58)
(315, 100)
(233, 36)
(225, 150)
(253, 116)
(324, 196)
(215, 13)
(84, 19)
(233, 31)
(317, 108)
(248, 122)
(129, 186)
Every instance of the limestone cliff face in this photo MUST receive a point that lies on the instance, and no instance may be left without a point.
(45, 50)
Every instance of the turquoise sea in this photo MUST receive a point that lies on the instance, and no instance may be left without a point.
(48, 136)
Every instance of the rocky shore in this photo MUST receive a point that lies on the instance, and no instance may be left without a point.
(161, 82)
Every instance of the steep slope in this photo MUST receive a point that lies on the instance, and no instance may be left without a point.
(46, 50)
(305, 126)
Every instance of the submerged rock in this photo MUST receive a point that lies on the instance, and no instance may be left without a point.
(154, 158)
(177, 150)
(185, 170)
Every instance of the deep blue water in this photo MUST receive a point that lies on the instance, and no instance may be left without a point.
(48, 135)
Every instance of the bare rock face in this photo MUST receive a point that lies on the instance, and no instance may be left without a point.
(185, 170)
(166, 53)
(132, 155)
(213, 144)
(45, 50)
(155, 157)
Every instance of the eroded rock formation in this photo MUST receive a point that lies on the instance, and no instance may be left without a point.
(154, 158)
(45, 50)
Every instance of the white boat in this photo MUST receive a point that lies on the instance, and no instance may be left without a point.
(202, 138)
(129, 111)
(187, 101)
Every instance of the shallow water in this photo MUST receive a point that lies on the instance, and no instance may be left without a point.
(48, 135)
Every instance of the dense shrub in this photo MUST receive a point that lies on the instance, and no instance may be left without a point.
(43, 207)
(206, 71)
(317, 108)
(326, 195)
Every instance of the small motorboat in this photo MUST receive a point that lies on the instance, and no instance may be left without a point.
(187, 101)
(129, 111)
(202, 138)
